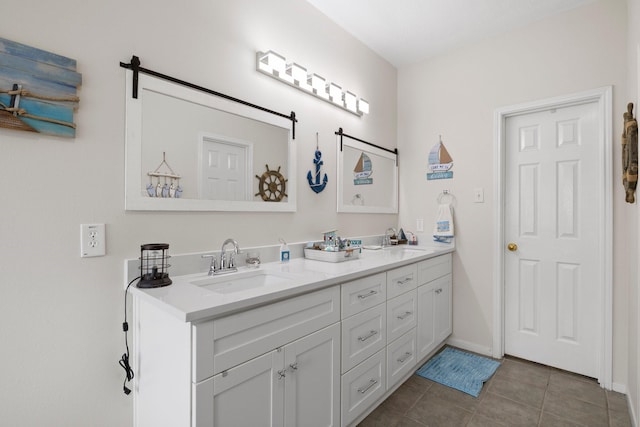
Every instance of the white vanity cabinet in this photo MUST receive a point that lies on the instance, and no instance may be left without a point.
(434, 303)
(418, 321)
(323, 357)
(295, 385)
(276, 364)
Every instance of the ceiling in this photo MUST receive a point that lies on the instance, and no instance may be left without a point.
(405, 32)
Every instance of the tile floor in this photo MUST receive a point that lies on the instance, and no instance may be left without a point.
(520, 393)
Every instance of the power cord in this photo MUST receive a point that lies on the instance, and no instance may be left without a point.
(124, 360)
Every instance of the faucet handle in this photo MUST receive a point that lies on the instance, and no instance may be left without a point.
(232, 260)
(212, 266)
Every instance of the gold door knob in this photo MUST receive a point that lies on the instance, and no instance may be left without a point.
(512, 247)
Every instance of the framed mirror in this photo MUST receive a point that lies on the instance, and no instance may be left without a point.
(187, 150)
(367, 177)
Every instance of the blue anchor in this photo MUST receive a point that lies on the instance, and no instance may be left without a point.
(317, 186)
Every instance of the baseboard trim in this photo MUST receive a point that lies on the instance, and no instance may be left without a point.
(469, 346)
(619, 388)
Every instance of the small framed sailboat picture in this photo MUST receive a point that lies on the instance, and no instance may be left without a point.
(363, 170)
(37, 90)
(440, 163)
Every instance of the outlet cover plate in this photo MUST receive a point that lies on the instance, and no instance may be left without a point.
(92, 240)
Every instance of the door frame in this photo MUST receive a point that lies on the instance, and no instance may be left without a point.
(603, 97)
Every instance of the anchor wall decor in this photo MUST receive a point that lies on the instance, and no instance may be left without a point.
(316, 185)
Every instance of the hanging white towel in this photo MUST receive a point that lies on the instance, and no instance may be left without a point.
(443, 228)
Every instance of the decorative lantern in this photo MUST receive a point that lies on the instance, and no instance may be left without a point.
(154, 265)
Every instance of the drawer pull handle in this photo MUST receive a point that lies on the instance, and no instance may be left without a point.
(367, 295)
(281, 374)
(363, 390)
(405, 281)
(404, 357)
(405, 315)
(438, 290)
(369, 335)
(293, 366)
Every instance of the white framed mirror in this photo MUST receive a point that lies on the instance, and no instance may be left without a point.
(187, 150)
(367, 177)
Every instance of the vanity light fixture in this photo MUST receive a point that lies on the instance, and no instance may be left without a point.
(351, 101)
(294, 74)
(319, 86)
(363, 106)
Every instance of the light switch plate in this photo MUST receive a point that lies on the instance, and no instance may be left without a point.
(92, 240)
(478, 195)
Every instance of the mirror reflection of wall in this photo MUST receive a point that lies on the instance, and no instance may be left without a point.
(363, 189)
(195, 136)
(219, 149)
(367, 178)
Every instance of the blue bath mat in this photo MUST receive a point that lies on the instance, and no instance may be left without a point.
(460, 370)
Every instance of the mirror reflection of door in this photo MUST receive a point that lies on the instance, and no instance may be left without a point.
(225, 169)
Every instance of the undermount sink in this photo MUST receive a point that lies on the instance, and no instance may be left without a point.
(241, 281)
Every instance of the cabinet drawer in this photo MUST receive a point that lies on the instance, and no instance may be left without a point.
(401, 315)
(433, 268)
(401, 280)
(363, 293)
(362, 386)
(223, 343)
(363, 335)
(401, 357)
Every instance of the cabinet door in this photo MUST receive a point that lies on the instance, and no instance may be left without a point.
(312, 384)
(251, 394)
(426, 325)
(443, 309)
(434, 314)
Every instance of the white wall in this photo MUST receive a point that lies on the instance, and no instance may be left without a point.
(456, 94)
(61, 315)
(633, 218)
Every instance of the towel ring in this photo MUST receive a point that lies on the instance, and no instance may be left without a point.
(446, 197)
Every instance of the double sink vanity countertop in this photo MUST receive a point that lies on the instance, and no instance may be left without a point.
(195, 297)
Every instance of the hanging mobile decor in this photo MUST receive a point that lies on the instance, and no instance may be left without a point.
(272, 185)
(171, 189)
(317, 186)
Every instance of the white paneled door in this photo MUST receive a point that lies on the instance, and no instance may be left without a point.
(552, 267)
(225, 170)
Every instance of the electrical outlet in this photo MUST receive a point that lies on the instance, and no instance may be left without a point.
(419, 225)
(92, 240)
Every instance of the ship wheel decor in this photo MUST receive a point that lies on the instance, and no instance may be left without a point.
(272, 186)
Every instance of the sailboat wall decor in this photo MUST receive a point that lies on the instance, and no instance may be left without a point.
(440, 162)
(363, 170)
(37, 90)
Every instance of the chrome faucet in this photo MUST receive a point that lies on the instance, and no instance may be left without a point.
(386, 241)
(230, 266)
(226, 265)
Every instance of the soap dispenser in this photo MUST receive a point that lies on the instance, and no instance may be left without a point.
(285, 255)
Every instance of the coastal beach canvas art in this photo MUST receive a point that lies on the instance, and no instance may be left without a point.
(38, 90)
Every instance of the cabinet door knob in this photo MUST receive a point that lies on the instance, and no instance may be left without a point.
(512, 247)
(294, 366)
(281, 374)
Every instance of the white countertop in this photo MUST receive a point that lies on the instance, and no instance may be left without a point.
(191, 303)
